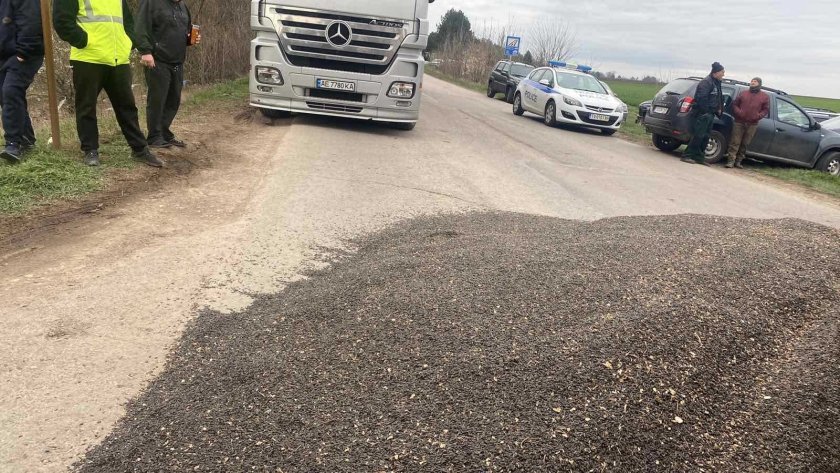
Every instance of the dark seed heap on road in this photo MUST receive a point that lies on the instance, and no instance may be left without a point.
(506, 342)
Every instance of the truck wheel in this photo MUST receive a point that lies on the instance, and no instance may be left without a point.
(490, 92)
(716, 147)
(664, 143)
(517, 105)
(509, 95)
(404, 126)
(830, 163)
(271, 113)
(550, 118)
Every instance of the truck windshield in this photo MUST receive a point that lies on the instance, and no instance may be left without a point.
(520, 70)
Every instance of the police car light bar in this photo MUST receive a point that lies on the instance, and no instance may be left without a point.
(574, 67)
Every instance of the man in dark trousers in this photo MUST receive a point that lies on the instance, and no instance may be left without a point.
(163, 30)
(21, 55)
(100, 34)
(708, 103)
(748, 109)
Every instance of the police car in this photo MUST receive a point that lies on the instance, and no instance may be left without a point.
(566, 93)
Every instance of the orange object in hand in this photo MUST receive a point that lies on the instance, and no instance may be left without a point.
(195, 35)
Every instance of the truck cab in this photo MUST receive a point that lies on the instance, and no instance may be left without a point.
(352, 58)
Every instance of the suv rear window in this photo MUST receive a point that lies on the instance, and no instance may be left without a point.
(678, 87)
(520, 70)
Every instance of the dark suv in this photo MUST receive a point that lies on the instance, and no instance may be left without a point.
(788, 135)
(506, 77)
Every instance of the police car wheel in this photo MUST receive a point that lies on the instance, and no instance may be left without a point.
(490, 92)
(716, 147)
(517, 106)
(551, 114)
(830, 163)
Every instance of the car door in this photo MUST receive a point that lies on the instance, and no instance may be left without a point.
(496, 77)
(795, 138)
(504, 80)
(764, 134)
(529, 88)
(545, 91)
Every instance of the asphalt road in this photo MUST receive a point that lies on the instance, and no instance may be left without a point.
(91, 311)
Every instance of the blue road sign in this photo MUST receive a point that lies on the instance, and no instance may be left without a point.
(512, 45)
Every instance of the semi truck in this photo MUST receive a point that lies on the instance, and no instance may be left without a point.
(360, 59)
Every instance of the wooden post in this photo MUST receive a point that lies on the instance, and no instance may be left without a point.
(46, 23)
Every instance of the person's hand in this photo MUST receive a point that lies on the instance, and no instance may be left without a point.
(20, 59)
(147, 60)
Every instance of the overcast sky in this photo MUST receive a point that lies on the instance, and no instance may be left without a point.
(793, 45)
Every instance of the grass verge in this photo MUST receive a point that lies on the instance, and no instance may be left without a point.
(48, 174)
(815, 180)
(436, 73)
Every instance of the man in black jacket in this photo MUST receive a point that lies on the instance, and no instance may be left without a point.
(21, 55)
(163, 30)
(708, 103)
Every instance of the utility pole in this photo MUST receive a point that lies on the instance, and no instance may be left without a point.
(46, 24)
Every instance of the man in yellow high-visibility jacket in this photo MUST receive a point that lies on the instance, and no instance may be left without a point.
(100, 33)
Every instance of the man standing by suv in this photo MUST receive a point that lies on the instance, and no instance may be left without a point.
(708, 103)
(748, 108)
(163, 29)
(100, 33)
(21, 55)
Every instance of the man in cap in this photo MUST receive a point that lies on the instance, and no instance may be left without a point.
(748, 108)
(708, 103)
(21, 55)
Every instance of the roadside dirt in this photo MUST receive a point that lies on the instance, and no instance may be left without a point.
(204, 132)
(94, 291)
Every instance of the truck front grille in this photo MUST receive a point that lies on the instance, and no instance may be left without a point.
(369, 49)
(333, 107)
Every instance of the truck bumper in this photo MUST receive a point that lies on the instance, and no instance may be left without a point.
(369, 102)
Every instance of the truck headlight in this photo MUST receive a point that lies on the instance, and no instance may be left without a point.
(401, 90)
(268, 75)
(572, 102)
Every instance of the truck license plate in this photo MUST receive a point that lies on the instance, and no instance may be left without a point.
(599, 118)
(335, 85)
(660, 110)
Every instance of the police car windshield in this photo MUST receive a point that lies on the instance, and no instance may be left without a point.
(580, 82)
(520, 70)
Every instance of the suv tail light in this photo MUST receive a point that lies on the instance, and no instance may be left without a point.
(685, 104)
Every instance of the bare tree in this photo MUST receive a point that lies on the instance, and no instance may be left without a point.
(552, 39)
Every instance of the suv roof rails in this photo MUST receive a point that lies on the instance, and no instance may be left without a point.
(746, 84)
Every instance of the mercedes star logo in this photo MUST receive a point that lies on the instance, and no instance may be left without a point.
(339, 33)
